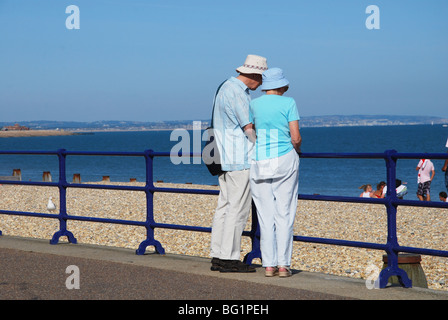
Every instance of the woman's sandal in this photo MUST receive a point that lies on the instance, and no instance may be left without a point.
(271, 271)
(284, 271)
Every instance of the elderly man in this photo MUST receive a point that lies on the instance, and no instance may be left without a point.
(232, 127)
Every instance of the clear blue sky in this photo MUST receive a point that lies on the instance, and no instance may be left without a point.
(151, 60)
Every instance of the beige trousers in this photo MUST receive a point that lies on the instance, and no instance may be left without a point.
(232, 212)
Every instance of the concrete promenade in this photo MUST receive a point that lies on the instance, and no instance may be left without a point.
(32, 269)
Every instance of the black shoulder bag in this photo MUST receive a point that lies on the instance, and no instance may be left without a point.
(210, 153)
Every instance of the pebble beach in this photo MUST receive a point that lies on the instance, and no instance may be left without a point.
(416, 227)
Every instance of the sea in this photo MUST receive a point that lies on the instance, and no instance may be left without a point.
(340, 177)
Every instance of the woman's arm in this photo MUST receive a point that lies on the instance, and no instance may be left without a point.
(296, 138)
(249, 131)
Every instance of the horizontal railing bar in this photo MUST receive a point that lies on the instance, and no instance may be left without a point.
(343, 155)
(398, 155)
(429, 252)
(338, 242)
(302, 155)
(75, 153)
(105, 186)
(104, 153)
(168, 154)
(30, 214)
(137, 188)
(183, 190)
(106, 220)
(30, 152)
(420, 155)
(417, 203)
(341, 199)
(180, 227)
(30, 183)
(369, 245)
(111, 187)
(336, 155)
(189, 228)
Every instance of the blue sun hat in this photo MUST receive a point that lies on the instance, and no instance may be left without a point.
(273, 79)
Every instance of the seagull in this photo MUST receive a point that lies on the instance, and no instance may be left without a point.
(50, 206)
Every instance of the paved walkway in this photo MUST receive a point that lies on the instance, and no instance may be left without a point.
(33, 269)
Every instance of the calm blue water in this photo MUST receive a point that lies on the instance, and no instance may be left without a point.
(317, 176)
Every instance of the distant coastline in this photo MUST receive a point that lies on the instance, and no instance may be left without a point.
(34, 133)
(43, 127)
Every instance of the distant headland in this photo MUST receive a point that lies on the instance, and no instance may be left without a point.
(34, 133)
(43, 128)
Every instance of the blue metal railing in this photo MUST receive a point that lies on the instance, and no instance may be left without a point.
(391, 247)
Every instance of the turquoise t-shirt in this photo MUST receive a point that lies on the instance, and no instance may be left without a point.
(271, 115)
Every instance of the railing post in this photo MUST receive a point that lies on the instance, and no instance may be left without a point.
(392, 268)
(149, 190)
(62, 185)
(254, 235)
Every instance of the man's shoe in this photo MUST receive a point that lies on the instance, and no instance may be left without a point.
(235, 266)
(216, 264)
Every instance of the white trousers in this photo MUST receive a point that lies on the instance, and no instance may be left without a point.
(274, 185)
(232, 212)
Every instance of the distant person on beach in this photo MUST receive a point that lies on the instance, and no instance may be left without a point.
(426, 173)
(445, 168)
(367, 193)
(400, 189)
(274, 174)
(378, 193)
(442, 196)
(231, 125)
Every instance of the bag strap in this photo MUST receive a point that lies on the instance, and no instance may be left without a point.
(213, 110)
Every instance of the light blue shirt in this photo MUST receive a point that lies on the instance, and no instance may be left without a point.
(231, 114)
(271, 115)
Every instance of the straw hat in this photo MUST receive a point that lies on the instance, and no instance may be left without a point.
(274, 79)
(253, 64)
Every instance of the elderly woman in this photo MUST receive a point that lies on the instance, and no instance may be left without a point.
(274, 174)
